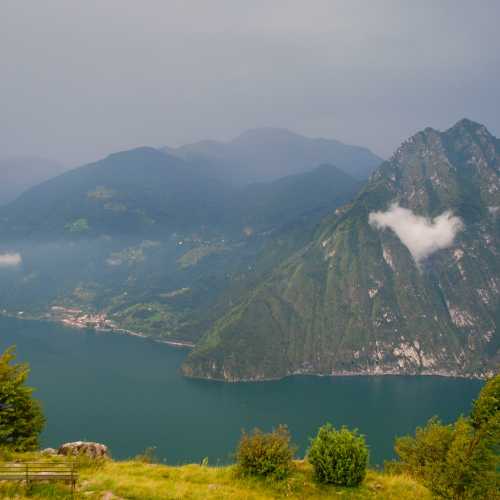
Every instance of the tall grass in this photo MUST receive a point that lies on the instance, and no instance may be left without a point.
(137, 480)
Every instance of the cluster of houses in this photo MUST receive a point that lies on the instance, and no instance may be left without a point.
(77, 318)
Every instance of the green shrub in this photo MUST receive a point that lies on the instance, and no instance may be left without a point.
(420, 455)
(338, 456)
(264, 454)
(460, 460)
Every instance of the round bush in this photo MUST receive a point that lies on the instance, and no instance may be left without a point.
(338, 456)
(263, 454)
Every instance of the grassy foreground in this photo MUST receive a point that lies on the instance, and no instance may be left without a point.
(136, 480)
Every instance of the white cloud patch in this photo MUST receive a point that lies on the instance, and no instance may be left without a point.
(10, 259)
(421, 235)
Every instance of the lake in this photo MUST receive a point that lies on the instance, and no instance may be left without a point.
(127, 392)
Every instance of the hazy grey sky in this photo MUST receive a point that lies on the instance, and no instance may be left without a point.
(80, 79)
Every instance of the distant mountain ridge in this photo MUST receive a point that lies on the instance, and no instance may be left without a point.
(141, 190)
(154, 240)
(266, 154)
(375, 293)
(150, 192)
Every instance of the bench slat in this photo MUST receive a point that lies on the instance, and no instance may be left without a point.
(47, 466)
(37, 476)
(34, 467)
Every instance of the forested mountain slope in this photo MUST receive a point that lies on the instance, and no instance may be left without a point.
(404, 280)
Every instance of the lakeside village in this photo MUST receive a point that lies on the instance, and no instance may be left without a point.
(76, 318)
(72, 317)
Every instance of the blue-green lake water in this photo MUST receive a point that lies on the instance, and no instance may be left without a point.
(127, 392)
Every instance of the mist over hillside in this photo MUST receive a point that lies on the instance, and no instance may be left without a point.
(153, 241)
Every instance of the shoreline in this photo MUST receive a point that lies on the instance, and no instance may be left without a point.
(345, 373)
(179, 344)
(124, 331)
(339, 374)
(121, 331)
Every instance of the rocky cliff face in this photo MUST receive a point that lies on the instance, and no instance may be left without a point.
(405, 280)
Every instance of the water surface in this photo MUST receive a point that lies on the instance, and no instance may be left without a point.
(126, 392)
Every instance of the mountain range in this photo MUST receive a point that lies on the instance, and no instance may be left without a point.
(313, 272)
(258, 155)
(149, 193)
(266, 154)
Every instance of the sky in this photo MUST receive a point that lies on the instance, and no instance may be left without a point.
(82, 79)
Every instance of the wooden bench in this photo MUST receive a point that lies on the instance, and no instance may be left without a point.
(39, 471)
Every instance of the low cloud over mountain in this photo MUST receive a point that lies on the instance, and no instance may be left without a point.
(421, 235)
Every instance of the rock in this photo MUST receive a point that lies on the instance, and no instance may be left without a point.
(89, 449)
(49, 451)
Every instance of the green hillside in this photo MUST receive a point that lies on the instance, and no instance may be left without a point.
(136, 480)
(357, 300)
(152, 242)
(141, 191)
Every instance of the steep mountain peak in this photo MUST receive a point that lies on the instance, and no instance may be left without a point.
(465, 125)
(412, 144)
(466, 137)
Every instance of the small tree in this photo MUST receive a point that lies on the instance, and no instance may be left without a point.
(338, 456)
(266, 454)
(21, 417)
(486, 409)
(458, 461)
(423, 455)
